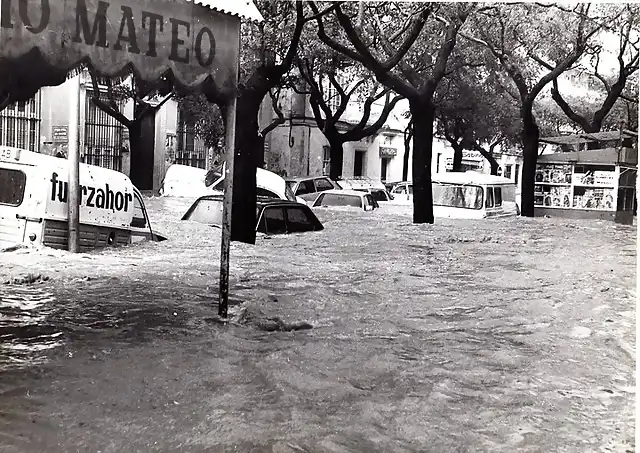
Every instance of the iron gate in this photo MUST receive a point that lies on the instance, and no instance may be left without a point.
(190, 150)
(102, 135)
(20, 124)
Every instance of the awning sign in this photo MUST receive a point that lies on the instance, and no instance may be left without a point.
(153, 36)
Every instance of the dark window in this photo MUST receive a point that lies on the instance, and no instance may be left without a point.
(497, 196)
(507, 171)
(305, 187)
(384, 163)
(369, 201)
(489, 201)
(457, 196)
(517, 174)
(379, 195)
(323, 184)
(12, 184)
(334, 199)
(358, 163)
(139, 219)
(326, 160)
(266, 193)
(274, 219)
(298, 220)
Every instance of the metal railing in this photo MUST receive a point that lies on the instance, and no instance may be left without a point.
(102, 136)
(20, 124)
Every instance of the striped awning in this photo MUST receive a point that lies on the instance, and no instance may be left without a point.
(245, 9)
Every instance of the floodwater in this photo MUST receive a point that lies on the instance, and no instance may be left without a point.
(496, 336)
(25, 334)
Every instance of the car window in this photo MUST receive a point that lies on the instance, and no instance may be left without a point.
(457, 196)
(399, 190)
(139, 219)
(298, 220)
(497, 196)
(489, 200)
(379, 195)
(305, 187)
(12, 185)
(274, 220)
(334, 199)
(266, 193)
(323, 184)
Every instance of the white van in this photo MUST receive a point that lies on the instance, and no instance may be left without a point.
(186, 181)
(468, 195)
(34, 207)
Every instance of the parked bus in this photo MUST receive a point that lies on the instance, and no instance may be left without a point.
(34, 203)
(469, 195)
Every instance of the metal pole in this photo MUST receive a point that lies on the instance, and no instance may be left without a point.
(73, 194)
(225, 249)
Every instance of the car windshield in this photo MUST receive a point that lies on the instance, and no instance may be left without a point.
(288, 192)
(379, 195)
(457, 196)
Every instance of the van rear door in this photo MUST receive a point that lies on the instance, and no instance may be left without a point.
(12, 219)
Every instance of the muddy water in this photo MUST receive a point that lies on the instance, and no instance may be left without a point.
(25, 331)
(459, 336)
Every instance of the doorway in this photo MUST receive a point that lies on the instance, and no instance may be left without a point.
(384, 165)
(358, 163)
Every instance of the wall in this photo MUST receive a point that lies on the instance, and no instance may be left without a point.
(166, 127)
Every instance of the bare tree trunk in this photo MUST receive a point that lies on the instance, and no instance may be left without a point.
(457, 157)
(489, 156)
(337, 159)
(530, 142)
(423, 115)
(408, 135)
(249, 154)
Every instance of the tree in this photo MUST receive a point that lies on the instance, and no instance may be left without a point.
(147, 99)
(411, 59)
(627, 58)
(475, 114)
(531, 57)
(267, 54)
(204, 117)
(321, 80)
(407, 137)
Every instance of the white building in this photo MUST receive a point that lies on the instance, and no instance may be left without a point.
(299, 148)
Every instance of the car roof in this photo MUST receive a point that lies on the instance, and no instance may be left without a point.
(305, 178)
(470, 177)
(345, 192)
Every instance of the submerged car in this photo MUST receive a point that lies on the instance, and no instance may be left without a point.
(468, 195)
(308, 187)
(378, 194)
(360, 183)
(185, 181)
(353, 198)
(272, 216)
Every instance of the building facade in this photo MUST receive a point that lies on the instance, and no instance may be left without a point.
(42, 124)
(299, 148)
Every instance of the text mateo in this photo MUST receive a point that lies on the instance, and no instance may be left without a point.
(92, 197)
(95, 25)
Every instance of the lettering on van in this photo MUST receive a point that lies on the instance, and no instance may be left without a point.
(92, 197)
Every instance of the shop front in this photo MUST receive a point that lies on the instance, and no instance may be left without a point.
(595, 183)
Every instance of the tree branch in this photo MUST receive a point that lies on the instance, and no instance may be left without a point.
(276, 121)
(110, 108)
(361, 54)
(573, 116)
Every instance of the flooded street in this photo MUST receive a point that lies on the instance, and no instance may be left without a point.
(496, 336)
